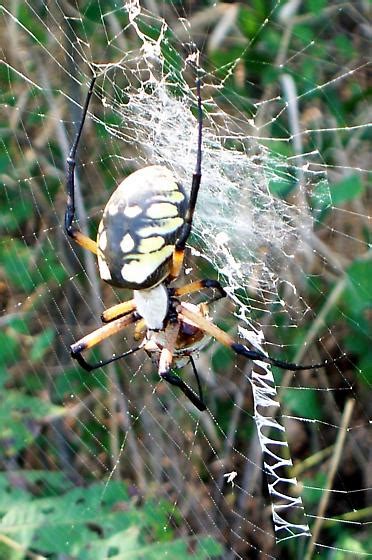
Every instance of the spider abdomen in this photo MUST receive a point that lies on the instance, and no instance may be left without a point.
(139, 228)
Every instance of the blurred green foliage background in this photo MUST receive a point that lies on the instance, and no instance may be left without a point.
(76, 480)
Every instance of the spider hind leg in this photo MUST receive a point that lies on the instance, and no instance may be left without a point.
(173, 379)
(165, 364)
(205, 325)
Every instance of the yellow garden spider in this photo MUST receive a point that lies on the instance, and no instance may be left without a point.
(140, 245)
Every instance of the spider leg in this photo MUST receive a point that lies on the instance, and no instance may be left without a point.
(97, 336)
(225, 339)
(200, 389)
(197, 286)
(118, 310)
(90, 367)
(173, 379)
(127, 306)
(179, 250)
(71, 230)
(140, 329)
(165, 364)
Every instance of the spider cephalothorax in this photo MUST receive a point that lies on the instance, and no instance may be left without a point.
(140, 245)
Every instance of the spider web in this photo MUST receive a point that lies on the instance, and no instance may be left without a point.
(282, 221)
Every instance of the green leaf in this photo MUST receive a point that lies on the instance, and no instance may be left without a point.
(315, 6)
(13, 486)
(313, 488)
(9, 347)
(345, 46)
(326, 196)
(282, 187)
(365, 366)
(41, 344)
(356, 546)
(303, 33)
(321, 200)
(222, 359)
(347, 189)
(101, 522)
(74, 380)
(15, 257)
(304, 402)
(19, 210)
(20, 416)
(27, 18)
(127, 546)
(249, 21)
(358, 293)
(11, 494)
(95, 10)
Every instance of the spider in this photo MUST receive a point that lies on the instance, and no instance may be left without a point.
(140, 245)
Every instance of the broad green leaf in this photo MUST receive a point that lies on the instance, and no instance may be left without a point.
(326, 196)
(19, 420)
(304, 402)
(13, 486)
(127, 545)
(358, 293)
(281, 187)
(349, 188)
(321, 200)
(101, 522)
(11, 494)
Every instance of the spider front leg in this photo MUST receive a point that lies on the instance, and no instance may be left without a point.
(197, 286)
(71, 230)
(121, 309)
(179, 251)
(97, 336)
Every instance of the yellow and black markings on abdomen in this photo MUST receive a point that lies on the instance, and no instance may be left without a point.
(139, 228)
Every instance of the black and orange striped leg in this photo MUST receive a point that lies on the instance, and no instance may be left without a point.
(165, 364)
(196, 180)
(118, 310)
(173, 379)
(197, 286)
(126, 307)
(90, 367)
(225, 339)
(200, 389)
(82, 240)
(71, 230)
(179, 251)
(177, 263)
(97, 336)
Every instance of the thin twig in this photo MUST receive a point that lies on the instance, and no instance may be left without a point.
(348, 410)
(317, 325)
(19, 548)
(312, 461)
